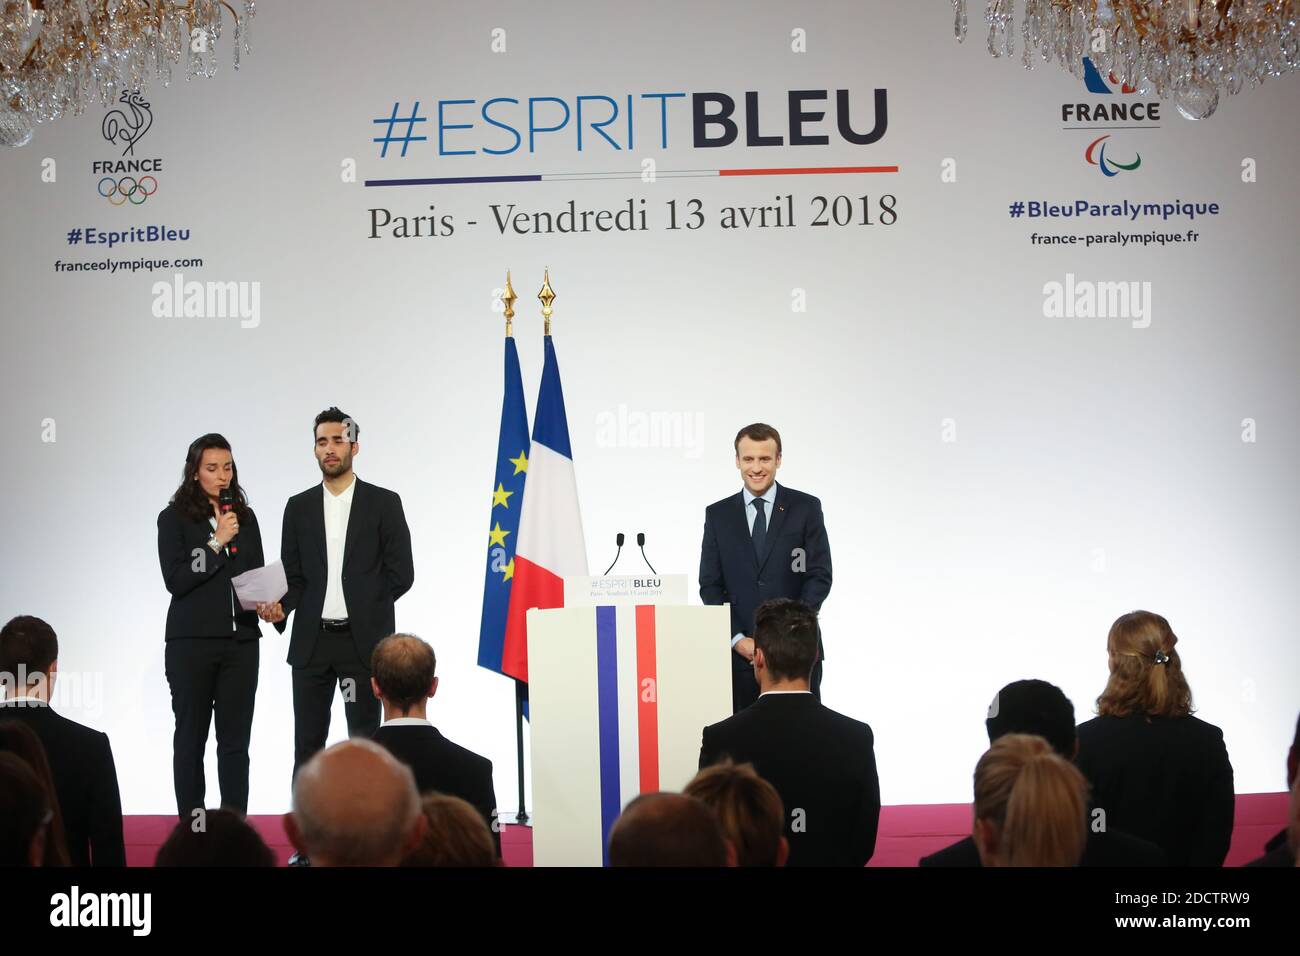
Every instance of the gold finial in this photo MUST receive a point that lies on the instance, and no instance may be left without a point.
(508, 297)
(547, 295)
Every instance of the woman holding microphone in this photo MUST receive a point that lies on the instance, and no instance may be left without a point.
(212, 644)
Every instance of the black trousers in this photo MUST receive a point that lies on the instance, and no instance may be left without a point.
(334, 660)
(744, 688)
(211, 676)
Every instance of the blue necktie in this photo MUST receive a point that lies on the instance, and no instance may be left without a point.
(760, 528)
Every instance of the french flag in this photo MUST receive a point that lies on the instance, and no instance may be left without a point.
(550, 546)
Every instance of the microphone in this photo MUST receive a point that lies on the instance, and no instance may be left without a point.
(618, 540)
(640, 542)
(226, 502)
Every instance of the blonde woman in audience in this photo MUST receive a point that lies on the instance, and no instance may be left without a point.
(1030, 805)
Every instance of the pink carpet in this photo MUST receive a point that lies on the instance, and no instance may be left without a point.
(907, 833)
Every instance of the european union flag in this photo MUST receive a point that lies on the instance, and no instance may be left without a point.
(503, 525)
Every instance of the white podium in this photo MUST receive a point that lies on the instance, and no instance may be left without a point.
(621, 681)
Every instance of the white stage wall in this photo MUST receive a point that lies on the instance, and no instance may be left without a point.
(999, 484)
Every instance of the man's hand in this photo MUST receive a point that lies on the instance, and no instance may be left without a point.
(271, 613)
(745, 648)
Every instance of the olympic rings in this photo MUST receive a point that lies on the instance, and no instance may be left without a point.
(137, 192)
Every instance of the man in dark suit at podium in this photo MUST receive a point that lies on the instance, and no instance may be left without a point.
(404, 679)
(823, 764)
(81, 760)
(767, 541)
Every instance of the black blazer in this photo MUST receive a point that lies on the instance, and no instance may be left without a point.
(202, 598)
(1165, 779)
(85, 778)
(1109, 848)
(377, 566)
(442, 766)
(730, 572)
(820, 762)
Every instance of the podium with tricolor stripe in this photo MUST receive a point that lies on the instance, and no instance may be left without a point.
(622, 680)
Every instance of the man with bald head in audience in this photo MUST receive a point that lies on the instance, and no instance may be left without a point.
(668, 829)
(404, 679)
(355, 804)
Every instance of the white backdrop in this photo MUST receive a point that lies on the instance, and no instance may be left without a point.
(998, 485)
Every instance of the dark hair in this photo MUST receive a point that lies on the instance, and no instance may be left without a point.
(335, 414)
(758, 432)
(30, 642)
(403, 666)
(1034, 707)
(226, 839)
(786, 632)
(748, 809)
(457, 835)
(666, 829)
(21, 741)
(24, 809)
(190, 498)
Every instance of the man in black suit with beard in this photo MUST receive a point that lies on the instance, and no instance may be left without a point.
(346, 552)
(767, 541)
(822, 764)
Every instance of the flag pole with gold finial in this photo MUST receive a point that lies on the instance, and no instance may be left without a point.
(547, 295)
(508, 298)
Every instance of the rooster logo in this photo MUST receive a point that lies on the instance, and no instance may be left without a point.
(119, 127)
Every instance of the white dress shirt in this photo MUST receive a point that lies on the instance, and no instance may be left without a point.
(406, 722)
(769, 498)
(337, 510)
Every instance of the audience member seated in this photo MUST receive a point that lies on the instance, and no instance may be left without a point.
(25, 813)
(404, 680)
(21, 741)
(355, 804)
(748, 809)
(1029, 805)
(821, 763)
(454, 835)
(1156, 771)
(214, 838)
(81, 760)
(1037, 707)
(667, 829)
(1281, 850)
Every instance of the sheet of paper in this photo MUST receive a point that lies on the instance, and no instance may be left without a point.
(260, 585)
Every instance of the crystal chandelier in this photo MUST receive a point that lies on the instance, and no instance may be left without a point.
(60, 56)
(1185, 50)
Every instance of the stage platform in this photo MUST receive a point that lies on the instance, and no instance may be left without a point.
(907, 833)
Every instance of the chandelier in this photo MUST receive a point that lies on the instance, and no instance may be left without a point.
(60, 56)
(1188, 51)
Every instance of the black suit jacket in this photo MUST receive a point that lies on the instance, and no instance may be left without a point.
(442, 766)
(81, 762)
(199, 579)
(820, 762)
(1165, 779)
(730, 571)
(1110, 848)
(377, 566)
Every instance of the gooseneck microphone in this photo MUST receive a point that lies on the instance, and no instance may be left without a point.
(618, 540)
(226, 502)
(640, 543)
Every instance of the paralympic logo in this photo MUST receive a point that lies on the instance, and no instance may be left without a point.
(1108, 167)
(127, 189)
